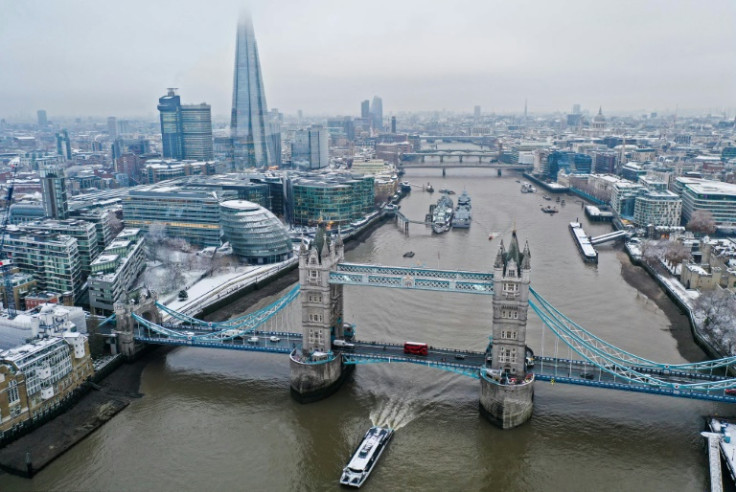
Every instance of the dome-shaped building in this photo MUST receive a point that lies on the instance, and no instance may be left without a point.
(255, 234)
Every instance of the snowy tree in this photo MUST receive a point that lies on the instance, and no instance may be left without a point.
(653, 251)
(675, 253)
(116, 225)
(719, 310)
(701, 221)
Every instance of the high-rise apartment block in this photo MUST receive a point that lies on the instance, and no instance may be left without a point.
(186, 130)
(55, 200)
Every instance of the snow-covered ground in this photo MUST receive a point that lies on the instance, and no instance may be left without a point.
(208, 290)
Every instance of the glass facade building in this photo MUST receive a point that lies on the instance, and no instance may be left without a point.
(251, 131)
(336, 198)
(191, 213)
(186, 130)
(255, 234)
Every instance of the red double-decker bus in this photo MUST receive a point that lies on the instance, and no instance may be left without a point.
(416, 348)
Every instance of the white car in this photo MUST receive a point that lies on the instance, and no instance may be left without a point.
(253, 340)
(275, 339)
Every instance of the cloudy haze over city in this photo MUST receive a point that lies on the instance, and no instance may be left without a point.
(99, 58)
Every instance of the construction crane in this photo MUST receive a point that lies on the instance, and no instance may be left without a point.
(4, 257)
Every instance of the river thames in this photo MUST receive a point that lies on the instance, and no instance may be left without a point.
(220, 420)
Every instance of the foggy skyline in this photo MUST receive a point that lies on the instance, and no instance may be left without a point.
(87, 58)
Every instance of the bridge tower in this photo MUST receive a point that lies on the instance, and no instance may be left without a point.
(317, 371)
(506, 397)
(141, 302)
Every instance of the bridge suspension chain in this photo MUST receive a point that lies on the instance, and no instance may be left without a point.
(618, 367)
(624, 356)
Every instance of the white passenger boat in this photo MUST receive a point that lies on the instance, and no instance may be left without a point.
(365, 457)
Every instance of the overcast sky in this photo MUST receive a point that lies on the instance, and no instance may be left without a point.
(102, 58)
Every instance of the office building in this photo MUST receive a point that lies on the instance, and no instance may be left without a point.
(114, 272)
(254, 233)
(365, 109)
(53, 182)
(377, 113)
(191, 213)
(476, 113)
(335, 198)
(112, 127)
(716, 197)
(309, 150)
(253, 143)
(42, 119)
(186, 130)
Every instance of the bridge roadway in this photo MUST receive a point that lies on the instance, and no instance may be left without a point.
(466, 362)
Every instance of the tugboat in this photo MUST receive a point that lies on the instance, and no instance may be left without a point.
(365, 457)
(429, 188)
(405, 186)
(549, 210)
(462, 217)
(442, 215)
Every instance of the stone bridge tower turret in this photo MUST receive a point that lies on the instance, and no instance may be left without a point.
(317, 370)
(506, 393)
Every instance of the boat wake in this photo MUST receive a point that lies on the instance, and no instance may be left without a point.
(395, 414)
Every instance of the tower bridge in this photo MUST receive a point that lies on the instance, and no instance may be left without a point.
(506, 368)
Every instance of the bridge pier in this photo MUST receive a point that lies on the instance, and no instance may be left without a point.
(480, 159)
(504, 405)
(461, 159)
(499, 172)
(442, 158)
(422, 159)
(444, 172)
(314, 380)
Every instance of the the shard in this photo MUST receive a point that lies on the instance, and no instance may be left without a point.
(250, 128)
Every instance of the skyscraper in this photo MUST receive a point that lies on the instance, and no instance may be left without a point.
(196, 124)
(42, 120)
(112, 127)
(365, 109)
(55, 201)
(186, 130)
(377, 112)
(169, 107)
(253, 144)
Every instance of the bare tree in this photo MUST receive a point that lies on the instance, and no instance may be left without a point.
(653, 251)
(116, 225)
(701, 221)
(675, 253)
(719, 310)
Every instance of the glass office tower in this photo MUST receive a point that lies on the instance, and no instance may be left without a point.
(250, 129)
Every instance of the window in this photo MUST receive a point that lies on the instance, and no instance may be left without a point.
(315, 297)
(315, 318)
(13, 395)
